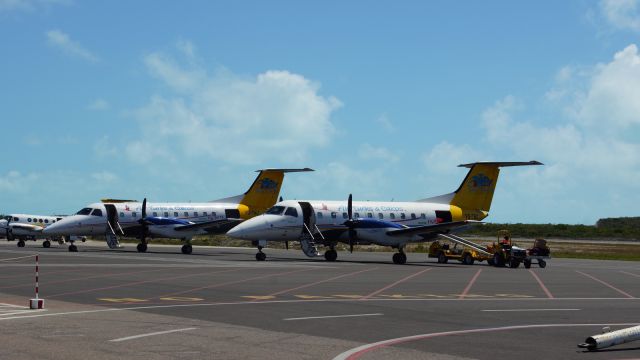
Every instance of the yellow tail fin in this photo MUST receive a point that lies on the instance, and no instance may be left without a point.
(264, 192)
(476, 191)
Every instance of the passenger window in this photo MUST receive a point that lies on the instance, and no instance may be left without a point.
(46, 221)
(392, 216)
(319, 215)
(166, 214)
(29, 220)
(96, 212)
(39, 220)
(334, 215)
(204, 213)
(413, 216)
(291, 212)
(380, 216)
(134, 214)
(402, 216)
(195, 214)
(122, 215)
(155, 214)
(186, 214)
(345, 215)
(213, 214)
(369, 215)
(423, 216)
(356, 215)
(175, 214)
(16, 219)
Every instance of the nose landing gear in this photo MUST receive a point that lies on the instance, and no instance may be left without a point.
(331, 254)
(260, 256)
(400, 257)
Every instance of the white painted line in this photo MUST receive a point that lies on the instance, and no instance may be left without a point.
(22, 312)
(517, 310)
(150, 334)
(332, 316)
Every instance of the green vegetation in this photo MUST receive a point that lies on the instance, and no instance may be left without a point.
(611, 228)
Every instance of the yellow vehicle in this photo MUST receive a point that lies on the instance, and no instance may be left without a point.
(506, 253)
(465, 254)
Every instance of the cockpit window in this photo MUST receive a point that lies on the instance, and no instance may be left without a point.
(275, 210)
(96, 212)
(291, 212)
(85, 211)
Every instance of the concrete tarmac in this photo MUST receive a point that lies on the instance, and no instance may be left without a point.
(220, 303)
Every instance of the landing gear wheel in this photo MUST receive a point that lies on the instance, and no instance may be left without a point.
(73, 248)
(542, 263)
(187, 249)
(21, 243)
(399, 258)
(330, 255)
(442, 258)
(527, 264)
(142, 247)
(46, 244)
(514, 263)
(261, 256)
(468, 259)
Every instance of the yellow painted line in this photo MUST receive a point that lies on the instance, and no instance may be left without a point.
(123, 300)
(181, 298)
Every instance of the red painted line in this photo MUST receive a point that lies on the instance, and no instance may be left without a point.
(319, 282)
(606, 284)
(544, 288)
(84, 278)
(393, 284)
(140, 282)
(470, 284)
(233, 282)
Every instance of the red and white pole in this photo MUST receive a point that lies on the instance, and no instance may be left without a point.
(37, 303)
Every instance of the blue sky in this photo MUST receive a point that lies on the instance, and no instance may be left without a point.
(181, 101)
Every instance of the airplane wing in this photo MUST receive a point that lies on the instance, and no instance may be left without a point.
(431, 229)
(213, 226)
(26, 227)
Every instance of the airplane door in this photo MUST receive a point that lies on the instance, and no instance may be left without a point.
(112, 216)
(308, 216)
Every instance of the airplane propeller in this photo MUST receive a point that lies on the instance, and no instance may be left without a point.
(143, 221)
(351, 224)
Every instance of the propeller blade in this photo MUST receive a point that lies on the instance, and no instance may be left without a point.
(144, 208)
(286, 244)
(350, 207)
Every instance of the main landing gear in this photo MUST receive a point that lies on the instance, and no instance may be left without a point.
(142, 247)
(73, 247)
(20, 243)
(260, 256)
(331, 254)
(400, 257)
(46, 244)
(187, 249)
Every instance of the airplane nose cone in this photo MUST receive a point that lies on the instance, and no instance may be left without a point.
(239, 231)
(55, 229)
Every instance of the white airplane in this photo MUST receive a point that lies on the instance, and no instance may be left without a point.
(393, 224)
(29, 227)
(112, 218)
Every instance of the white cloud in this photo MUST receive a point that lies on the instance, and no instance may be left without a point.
(99, 105)
(62, 41)
(15, 182)
(274, 115)
(621, 14)
(385, 123)
(104, 177)
(368, 151)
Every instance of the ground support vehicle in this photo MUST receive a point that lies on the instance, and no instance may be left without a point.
(443, 251)
(539, 252)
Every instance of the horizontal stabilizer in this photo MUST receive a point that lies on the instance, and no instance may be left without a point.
(114, 201)
(502, 163)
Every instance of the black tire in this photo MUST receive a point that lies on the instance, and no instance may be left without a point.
(73, 248)
(514, 263)
(542, 263)
(490, 262)
(498, 260)
(467, 259)
(46, 244)
(399, 258)
(187, 249)
(141, 247)
(527, 264)
(442, 258)
(261, 256)
(330, 255)
(21, 243)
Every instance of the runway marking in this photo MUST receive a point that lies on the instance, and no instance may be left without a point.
(11, 309)
(151, 334)
(235, 282)
(628, 273)
(320, 282)
(606, 284)
(141, 282)
(123, 300)
(394, 284)
(544, 288)
(331, 316)
(470, 284)
(241, 303)
(357, 352)
(526, 310)
(20, 257)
